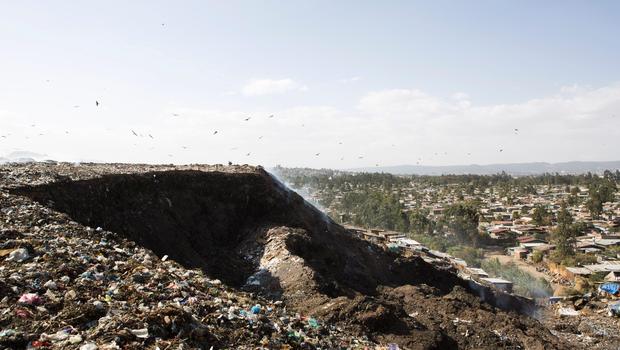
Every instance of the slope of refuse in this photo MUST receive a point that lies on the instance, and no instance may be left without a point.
(133, 256)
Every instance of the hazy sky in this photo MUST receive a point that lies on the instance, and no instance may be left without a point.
(358, 82)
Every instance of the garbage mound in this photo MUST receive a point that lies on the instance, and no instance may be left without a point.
(136, 256)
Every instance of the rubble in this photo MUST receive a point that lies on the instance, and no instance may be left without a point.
(290, 279)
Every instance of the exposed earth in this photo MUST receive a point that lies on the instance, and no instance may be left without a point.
(154, 242)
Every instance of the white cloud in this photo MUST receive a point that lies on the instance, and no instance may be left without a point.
(577, 123)
(260, 87)
(395, 126)
(349, 80)
(401, 102)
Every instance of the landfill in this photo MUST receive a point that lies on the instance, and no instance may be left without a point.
(100, 274)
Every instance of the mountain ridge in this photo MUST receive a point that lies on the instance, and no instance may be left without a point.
(529, 168)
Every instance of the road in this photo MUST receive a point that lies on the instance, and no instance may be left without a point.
(505, 259)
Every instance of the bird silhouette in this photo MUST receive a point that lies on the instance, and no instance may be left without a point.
(248, 118)
(151, 136)
(134, 133)
(271, 116)
(96, 103)
(501, 150)
(317, 154)
(215, 132)
(248, 154)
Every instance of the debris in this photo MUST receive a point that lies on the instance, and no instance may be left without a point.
(610, 288)
(105, 289)
(18, 255)
(140, 333)
(563, 311)
(30, 299)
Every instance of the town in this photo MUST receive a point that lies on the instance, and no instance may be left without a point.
(548, 237)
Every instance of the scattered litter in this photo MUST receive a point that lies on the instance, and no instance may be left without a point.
(564, 311)
(30, 299)
(18, 255)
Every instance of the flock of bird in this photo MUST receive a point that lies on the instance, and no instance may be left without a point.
(246, 119)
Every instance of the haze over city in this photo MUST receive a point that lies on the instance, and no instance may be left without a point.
(317, 84)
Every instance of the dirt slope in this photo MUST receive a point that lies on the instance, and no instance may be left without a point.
(245, 228)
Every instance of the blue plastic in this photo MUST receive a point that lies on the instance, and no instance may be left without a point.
(611, 288)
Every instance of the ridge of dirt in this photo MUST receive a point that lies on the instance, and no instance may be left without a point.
(242, 226)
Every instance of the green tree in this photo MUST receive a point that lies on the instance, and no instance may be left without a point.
(462, 219)
(564, 234)
(541, 216)
(419, 222)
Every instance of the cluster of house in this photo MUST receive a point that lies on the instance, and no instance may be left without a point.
(398, 242)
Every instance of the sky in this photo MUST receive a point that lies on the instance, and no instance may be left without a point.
(334, 84)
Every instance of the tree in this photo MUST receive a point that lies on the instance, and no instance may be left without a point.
(600, 191)
(564, 234)
(420, 223)
(541, 216)
(462, 219)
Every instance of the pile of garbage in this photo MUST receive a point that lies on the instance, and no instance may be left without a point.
(64, 285)
(591, 320)
(110, 256)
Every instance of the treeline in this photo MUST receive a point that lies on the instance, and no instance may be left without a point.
(333, 178)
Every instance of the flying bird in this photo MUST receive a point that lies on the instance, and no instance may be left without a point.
(175, 114)
(260, 137)
(134, 133)
(151, 136)
(248, 154)
(248, 118)
(215, 132)
(317, 154)
(271, 116)
(96, 103)
(501, 150)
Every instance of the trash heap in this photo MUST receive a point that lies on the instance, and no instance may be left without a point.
(149, 277)
(589, 319)
(63, 285)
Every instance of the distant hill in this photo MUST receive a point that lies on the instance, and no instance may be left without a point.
(21, 157)
(513, 168)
